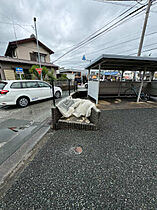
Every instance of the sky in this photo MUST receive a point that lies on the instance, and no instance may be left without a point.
(63, 24)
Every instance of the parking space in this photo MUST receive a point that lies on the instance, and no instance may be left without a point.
(125, 103)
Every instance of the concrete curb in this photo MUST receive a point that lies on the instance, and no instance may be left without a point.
(16, 160)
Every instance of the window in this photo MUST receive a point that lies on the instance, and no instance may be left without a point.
(24, 84)
(14, 53)
(16, 85)
(2, 85)
(29, 84)
(34, 57)
(42, 58)
(43, 84)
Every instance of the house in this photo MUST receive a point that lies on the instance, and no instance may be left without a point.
(80, 75)
(23, 53)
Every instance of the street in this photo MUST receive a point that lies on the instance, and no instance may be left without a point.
(36, 112)
(29, 113)
(18, 125)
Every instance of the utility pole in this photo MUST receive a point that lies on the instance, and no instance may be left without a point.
(16, 54)
(141, 44)
(144, 27)
(143, 31)
(35, 27)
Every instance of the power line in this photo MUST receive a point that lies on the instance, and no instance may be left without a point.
(147, 50)
(9, 23)
(108, 30)
(68, 61)
(112, 46)
(94, 32)
(86, 39)
(115, 3)
(150, 49)
(148, 45)
(108, 47)
(128, 40)
(105, 30)
(99, 30)
(124, 42)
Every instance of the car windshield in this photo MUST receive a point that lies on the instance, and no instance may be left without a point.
(2, 85)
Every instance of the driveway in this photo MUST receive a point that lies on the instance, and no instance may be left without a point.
(37, 111)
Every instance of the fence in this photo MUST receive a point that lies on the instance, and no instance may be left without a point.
(64, 84)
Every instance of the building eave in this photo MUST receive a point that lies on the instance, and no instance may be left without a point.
(27, 62)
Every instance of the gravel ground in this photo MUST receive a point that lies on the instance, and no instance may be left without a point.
(117, 168)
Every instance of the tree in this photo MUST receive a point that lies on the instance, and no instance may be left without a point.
(63, 77)
(50, 75)
(36, 74)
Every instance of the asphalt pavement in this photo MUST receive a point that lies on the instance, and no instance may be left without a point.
(20, 130)
(116, 169)
(36, 111)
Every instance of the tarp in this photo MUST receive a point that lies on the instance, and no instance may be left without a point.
(111, 73)
(77, 107)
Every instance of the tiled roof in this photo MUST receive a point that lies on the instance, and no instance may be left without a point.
(15, 43)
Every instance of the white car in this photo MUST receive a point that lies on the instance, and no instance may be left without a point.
(22, 92)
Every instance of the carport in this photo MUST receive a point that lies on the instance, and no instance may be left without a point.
(120, 63)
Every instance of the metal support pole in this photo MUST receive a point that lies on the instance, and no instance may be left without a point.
(39, 60)
(122, 75)
(98, 84)
(141, 86)
(69, 86)
(74, 85)
(88, 75)
(150, 76)
(152, 73)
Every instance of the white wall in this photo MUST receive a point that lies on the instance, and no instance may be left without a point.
(93, 90)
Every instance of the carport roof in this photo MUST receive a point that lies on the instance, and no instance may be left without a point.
(126, 63)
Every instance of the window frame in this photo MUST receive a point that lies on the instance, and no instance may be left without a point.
(30, 82)
(4, 84)
(16, 87)
(43, 83)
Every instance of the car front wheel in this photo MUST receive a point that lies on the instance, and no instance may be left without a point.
(57, 94)
(22, 102)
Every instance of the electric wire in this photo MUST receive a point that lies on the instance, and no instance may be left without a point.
(98, 34)
(134, 15)
(118, 44)
(115, 45)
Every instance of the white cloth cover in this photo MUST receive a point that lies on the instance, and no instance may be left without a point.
(77, 107)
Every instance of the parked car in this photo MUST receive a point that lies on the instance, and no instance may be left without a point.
(22, 92)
